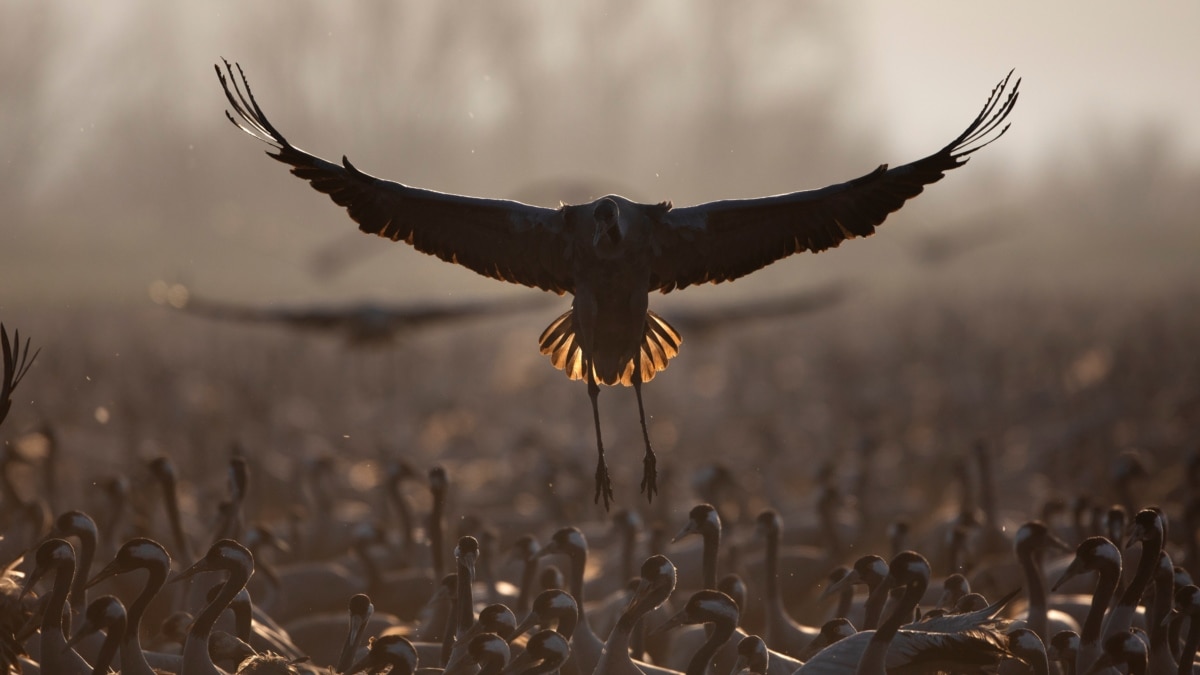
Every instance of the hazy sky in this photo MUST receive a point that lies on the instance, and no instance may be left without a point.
(1088, 66)
(120, 168)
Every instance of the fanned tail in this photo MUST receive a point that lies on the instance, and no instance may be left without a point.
(559, 343)
(660, 344)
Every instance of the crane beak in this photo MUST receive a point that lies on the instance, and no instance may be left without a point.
(689, 528)
(604, 229)
(201, 565)
(549, 549)
(1056, 542)
(360, 665)
(30, 580)
(852, 577)
(638, 593)
(531, 620)
(1101, 664)
(679, 619)
(85, 630)
(1072, 570)
(110, 570)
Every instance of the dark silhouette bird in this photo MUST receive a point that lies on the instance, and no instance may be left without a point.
(611, 253)
(106, 614)
(56, 557)
(709, 320)
(366, 324)
(138, 554)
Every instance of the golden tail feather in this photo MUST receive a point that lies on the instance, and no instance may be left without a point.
(660, 344)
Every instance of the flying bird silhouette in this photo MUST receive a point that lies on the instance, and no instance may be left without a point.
(366, 324)
(709, 320)
(611, 253)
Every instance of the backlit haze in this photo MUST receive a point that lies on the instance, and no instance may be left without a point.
(119, 167)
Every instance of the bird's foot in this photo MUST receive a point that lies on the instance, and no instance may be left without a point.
(603, 484)
(649, 475)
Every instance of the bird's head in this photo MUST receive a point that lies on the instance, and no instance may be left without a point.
(608, 223)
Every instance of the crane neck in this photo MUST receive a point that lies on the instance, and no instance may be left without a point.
(1036, 585)
(722, 630)
(195, 648)
(133, 659)
(712, 547)
(874, 658)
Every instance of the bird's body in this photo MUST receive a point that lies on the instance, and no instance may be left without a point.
(224, 556)
(57, 557)
(657, 583)
(138, 554)
(611, 253)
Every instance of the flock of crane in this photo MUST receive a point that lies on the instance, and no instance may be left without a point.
(1084, 589)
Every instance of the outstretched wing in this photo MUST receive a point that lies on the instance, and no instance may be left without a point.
(724, 240)
(362, 323)
(501, 239)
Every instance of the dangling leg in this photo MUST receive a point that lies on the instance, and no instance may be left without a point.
(649, 463)
(603, 484)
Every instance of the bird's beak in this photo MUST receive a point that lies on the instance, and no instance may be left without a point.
(520, 663)
(680, 618)
(1056, 542)
(526, 555)
(852, 577)
(1101, 664)
(200, 566)
(85, 630)
(642, 587)
(30, 580)
(358, 624)
(601, 228)
(110, 570)
(689, 528)
(885, 587)
(468, 558)
(1171, 616)
(1136, 533)
(359, 665)
(531, 620)
(1067, 575)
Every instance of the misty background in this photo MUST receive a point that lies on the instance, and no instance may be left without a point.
(1042, 298)
(119, 167)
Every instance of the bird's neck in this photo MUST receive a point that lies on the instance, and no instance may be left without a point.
(53, 614)
(87, 550)
(712, 547)
(465, 614)
(197, 638)
(874, 658)
(132, 657)
(721, 631)
(578, 560)
(1037, 592)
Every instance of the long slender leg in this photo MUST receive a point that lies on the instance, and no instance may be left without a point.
(649, 463)
(603, 484)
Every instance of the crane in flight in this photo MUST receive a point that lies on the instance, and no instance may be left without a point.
(610, 254)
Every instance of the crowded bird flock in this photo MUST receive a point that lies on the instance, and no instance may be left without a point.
(932, 539)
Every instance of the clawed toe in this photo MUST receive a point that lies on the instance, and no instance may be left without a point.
(603, 485)
(650, 477)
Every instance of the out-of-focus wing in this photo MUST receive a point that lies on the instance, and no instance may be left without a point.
(695, 322)
(363, 323)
